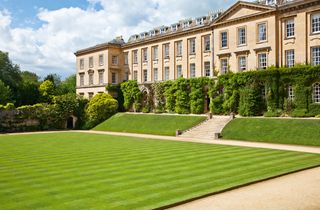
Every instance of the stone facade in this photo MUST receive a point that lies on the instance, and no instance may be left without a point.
(247, 36)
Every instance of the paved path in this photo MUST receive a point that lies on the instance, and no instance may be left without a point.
(297, 148)
(300, 190)
(208, 129)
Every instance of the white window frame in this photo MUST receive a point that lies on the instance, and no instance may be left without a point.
(207, 43)
(242, 36)
(145, 75)
(126, 75)
(224, 39)
(207, 69)
(166, 73)
(315, 55)
(114, 79)
(316, 93)
(135, 56)
(315, 23)
(101, 60)
(179, 71)
(135, 75)
(192, 44)
(91, 78)
(81, 63)
(224, 65)
(155, 50)
(290, 93)
(81, 79)
(290, 28)
(262, 32)
(145, 54)
(179, 48)
(101, 79)
(155, 74)
(115, 60)
(242, 63)
(166, 51)
(290, 58)
(192, 70)
(262, 60)
(91, 62)
(126, 58)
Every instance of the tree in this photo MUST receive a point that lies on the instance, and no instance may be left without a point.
(54, 78)
(68, 85)
(100, 107)
(29, 93)
(47, 91)
(5, 93)
(10, 75)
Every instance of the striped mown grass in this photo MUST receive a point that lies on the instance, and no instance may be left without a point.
(90, 171)
(158, 124)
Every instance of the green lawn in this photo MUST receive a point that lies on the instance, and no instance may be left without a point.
(283, 131)
(149, 123)
(91, 171)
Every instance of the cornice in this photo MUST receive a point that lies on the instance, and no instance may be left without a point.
(167, 36)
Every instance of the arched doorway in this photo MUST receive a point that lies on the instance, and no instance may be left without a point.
(70, 123)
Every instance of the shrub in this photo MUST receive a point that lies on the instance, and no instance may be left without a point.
(9, 106)
(216, 105)
(300, 113)
(276, 113)
(132, 94)
(100, 107)
(314, 109)
(250, 99)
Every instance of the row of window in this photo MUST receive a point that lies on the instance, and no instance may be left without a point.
(166, 50)
(262, 31)
(114, 78)
(263, 60)
(114, 61)
(179, 73)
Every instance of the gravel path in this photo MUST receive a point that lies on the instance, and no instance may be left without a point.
(298, 191)
(297, 148)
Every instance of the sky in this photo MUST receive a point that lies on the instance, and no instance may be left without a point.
(42, 35)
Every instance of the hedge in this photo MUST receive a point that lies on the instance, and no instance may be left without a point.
(252, 93)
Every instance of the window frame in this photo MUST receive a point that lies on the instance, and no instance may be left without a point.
(145, 75)
(239, 29)
(192, 46)
(155, 74)
(179, 48)
(316, 93)
(313, 63)
(101, 77)
(166, 51)
(242, 68)
(290, 31)
(207, 43)
(192, 70)
(81, 63)
(312, 24)
(101, 60)
(81, 79)
(222, 41)
(135, 56)
(207, 68)
(224, 68)
(292, 58)
(259, 59)
(166, 73)
(114, 78)
(259, 40)
(155, 53)
(179, 71)
(91, 63)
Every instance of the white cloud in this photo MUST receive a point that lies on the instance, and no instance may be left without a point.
(50, 48)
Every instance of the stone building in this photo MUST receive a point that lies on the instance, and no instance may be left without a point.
(247, 36)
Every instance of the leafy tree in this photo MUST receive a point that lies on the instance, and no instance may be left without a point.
(5, 93)
(47, 91)
(10, 75)
(54, 78)
(67, 86)
(29, 93)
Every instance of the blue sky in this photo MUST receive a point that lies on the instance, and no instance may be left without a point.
(42, 35)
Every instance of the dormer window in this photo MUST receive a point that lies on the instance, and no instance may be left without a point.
(174, 27)
(186, 24)
(200, 21)
(152, 33)
(270, 2)
(163, 30)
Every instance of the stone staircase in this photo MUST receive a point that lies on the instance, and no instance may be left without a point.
(209, 129)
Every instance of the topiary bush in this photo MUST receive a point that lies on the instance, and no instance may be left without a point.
(100, 107)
